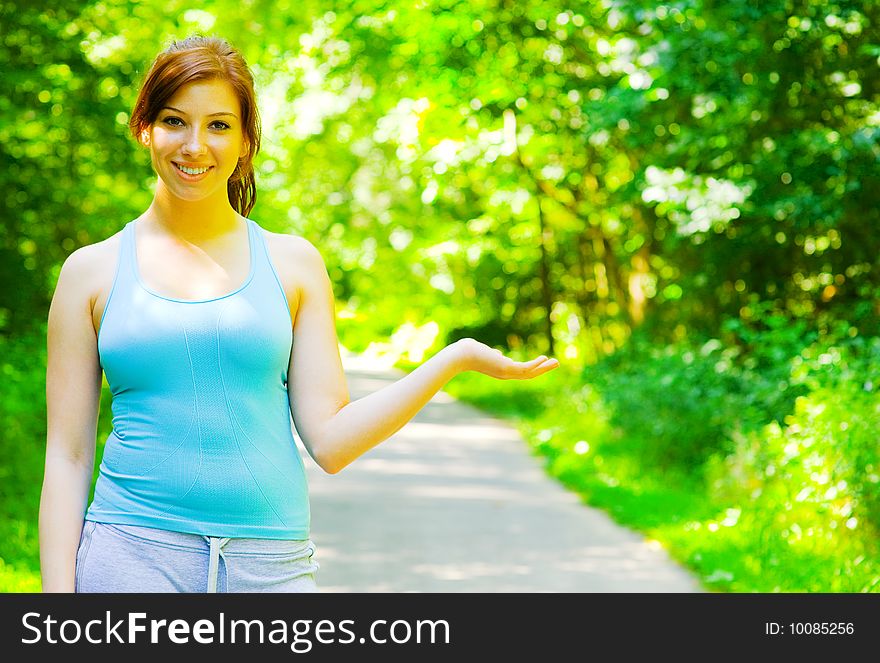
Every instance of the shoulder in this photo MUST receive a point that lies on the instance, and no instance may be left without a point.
(81, 265)
(85, 269)
(296, 251)
(293, 245)
(97, 253)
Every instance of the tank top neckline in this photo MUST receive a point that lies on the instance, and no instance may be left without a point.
(137, 271)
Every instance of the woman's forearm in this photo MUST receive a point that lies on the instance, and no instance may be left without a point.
(364, 423)
(62, 507)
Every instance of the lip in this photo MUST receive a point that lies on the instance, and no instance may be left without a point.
(190, 178)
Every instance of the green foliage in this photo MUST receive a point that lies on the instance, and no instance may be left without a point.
(811, 486)
(821, 466)
(675, 407)
(22, 453)
(489, 165)
(679, 405)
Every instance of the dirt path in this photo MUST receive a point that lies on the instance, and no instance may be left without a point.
(455, 502)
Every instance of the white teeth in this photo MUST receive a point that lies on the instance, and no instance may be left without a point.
(192, 171)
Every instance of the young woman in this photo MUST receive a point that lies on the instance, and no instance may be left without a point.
(211, 332)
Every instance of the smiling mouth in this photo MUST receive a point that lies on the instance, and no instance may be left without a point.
(191, 171)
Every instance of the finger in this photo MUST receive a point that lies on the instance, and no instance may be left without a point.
(545, 366)
(535, 367)
(525, 368)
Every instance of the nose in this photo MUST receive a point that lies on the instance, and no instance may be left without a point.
(194, 142)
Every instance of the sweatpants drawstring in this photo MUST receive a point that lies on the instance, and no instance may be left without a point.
(214, 562)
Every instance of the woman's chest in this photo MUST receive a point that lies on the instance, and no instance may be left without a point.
(184, 276)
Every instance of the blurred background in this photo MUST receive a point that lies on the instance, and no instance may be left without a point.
(680, 201)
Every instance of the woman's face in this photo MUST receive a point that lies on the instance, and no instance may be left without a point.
(199, 128)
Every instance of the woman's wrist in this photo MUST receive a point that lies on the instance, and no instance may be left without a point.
(461, 354)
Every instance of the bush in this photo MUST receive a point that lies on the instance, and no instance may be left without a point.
(813, 481)
(681, 405)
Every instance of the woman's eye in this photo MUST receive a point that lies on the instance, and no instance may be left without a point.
(172, 121)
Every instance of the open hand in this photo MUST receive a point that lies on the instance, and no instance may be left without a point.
(476, 356)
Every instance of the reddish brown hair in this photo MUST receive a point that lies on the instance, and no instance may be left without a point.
(199, 58)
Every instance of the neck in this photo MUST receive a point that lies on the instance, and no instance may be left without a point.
(194, 221)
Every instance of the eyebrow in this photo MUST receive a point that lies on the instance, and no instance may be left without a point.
(211, 115)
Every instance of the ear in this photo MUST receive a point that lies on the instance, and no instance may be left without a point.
(245, 148)
(145, 137)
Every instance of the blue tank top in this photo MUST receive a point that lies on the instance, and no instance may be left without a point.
(202, 438)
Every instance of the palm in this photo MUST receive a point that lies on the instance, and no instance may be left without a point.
(483, 359)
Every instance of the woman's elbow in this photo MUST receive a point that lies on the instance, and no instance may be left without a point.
(329, 462)
(333, 466)
(332, 469)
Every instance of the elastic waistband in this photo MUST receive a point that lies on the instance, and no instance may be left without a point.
(202, 544)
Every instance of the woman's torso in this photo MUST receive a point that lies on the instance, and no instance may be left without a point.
(195, 343)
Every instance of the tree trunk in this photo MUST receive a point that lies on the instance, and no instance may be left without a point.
(546, 290)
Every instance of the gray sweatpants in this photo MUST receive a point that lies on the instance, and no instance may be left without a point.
(129, 558)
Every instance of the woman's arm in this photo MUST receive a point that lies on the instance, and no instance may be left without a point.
(73, 389)
(364, 423)
(337, 431)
